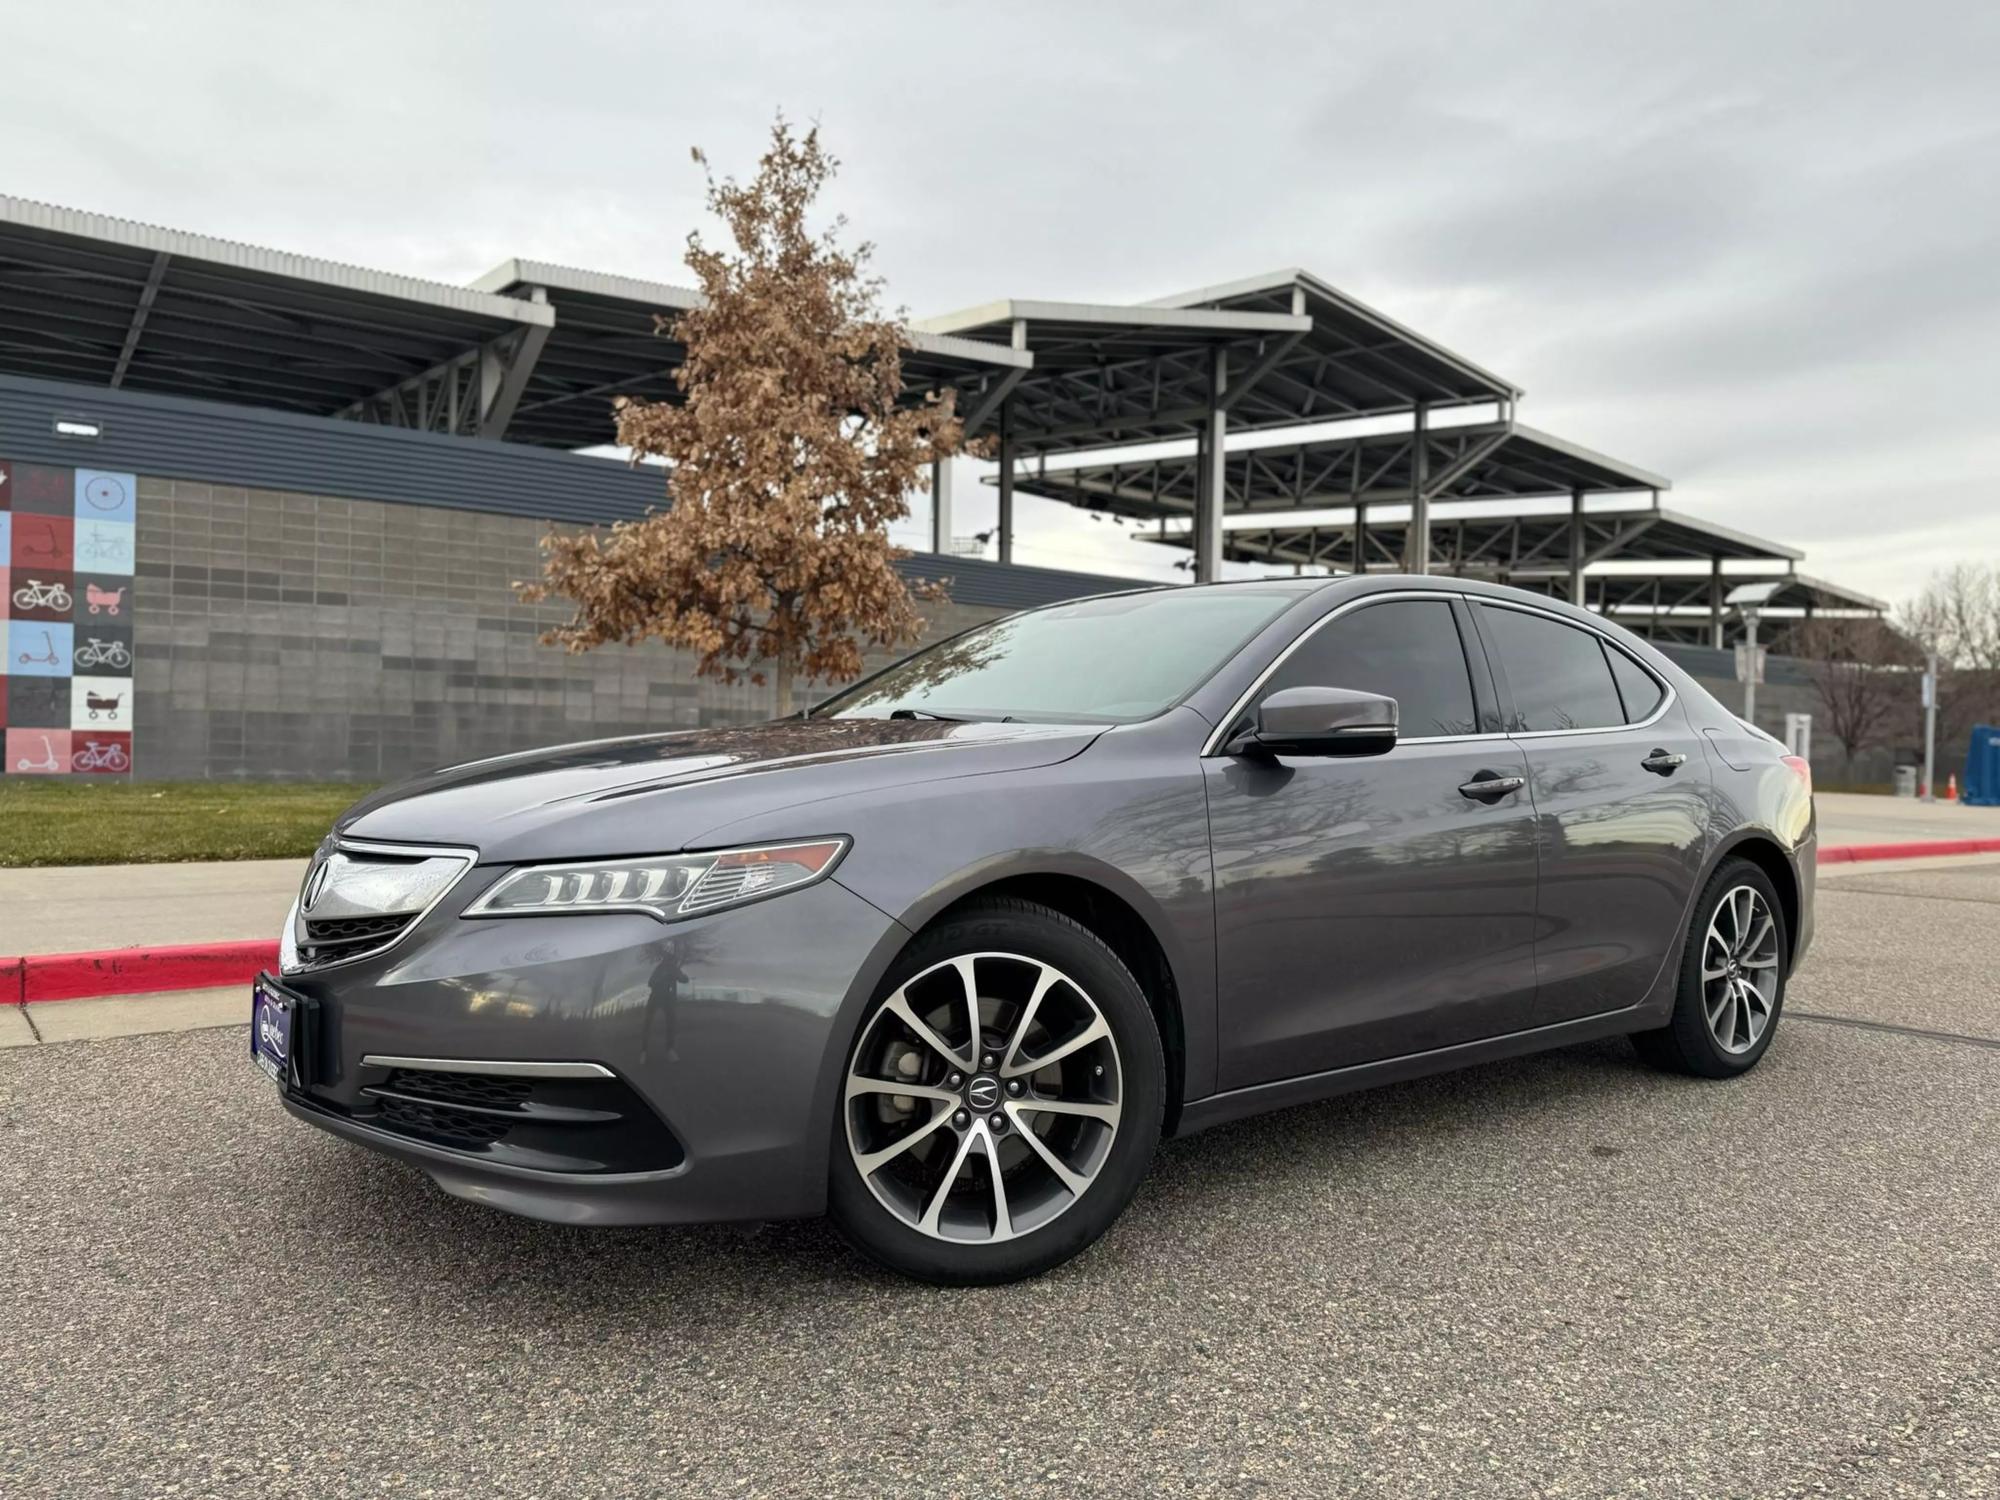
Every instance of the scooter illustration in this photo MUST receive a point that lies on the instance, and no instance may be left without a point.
(48, 762)
(51, 660)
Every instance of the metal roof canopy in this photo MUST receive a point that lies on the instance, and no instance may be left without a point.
(1355, 361)
(606, 343)
(1693, 608)
(113, 303)
(1518, 546)
(1478, 461)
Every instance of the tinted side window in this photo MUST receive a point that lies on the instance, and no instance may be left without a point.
(1638, 687)
(1558, 673)
(1407, 649)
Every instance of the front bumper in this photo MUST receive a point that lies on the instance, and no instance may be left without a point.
(723, 1036)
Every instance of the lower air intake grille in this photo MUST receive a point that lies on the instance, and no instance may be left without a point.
(444, 1126)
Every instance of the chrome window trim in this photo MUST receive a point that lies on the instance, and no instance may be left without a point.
(1212, 746)
(1667, 693)
(468, 856)
(495, 1069)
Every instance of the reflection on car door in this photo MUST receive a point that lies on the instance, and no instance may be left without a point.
(1366, 907)
(1621, 799)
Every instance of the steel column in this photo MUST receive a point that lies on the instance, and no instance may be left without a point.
(1212, 486)
(1576, 548)
(1417, 546)
(1715, 627)
(1005, 524)
(941, 505)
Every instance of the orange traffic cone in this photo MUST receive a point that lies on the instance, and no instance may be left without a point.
(1951, 787)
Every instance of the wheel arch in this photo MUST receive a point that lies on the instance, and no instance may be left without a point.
(1762, 848)
(1115, 918)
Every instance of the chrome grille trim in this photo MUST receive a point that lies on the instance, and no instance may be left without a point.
(309, 955)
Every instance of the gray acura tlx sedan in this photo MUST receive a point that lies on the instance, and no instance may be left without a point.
(947, 955)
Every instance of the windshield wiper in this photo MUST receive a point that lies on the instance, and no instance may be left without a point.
(925, 713)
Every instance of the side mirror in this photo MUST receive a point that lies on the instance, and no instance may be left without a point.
(1319, 721)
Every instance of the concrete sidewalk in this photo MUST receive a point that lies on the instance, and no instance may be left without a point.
(1856, 818)
(82, 908)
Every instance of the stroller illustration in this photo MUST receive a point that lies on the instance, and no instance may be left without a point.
(108, 600)
(103, 703)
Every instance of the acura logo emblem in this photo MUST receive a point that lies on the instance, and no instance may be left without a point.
(315, 885)
(984, 1093)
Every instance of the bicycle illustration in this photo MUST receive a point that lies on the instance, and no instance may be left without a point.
(103, 703)
(96, 757)
(29, 659)
(35, 594)
(104, 493)
(108, 600)
(105, 549)
(96, 653)
(48, 762)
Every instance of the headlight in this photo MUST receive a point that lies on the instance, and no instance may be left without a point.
(667, 886)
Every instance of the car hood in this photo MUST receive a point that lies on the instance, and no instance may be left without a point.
(657, 793)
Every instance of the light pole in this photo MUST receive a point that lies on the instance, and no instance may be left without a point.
(1748, 600)
(1930, 726)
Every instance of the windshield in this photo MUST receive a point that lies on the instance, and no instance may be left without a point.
(1128, 656)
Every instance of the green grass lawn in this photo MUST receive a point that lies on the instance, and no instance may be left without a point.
(163, 822)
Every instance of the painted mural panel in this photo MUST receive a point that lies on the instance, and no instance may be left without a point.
(67, 546)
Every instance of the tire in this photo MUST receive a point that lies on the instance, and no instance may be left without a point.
(1092, 1103)
(1715, 998)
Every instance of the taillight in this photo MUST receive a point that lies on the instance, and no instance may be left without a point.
(1801, 768)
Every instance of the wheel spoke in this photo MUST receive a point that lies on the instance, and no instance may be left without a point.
(1757, 937)
(1003, 1220)
(1095, 1031)
(969, 982)
(1074, 1181)
(898, 1006)
(870, 1162)
(1043, 984)
(859, 1084)
(1725, 1019)
(1108, 1113)
(929, 1222)
(1761, 963)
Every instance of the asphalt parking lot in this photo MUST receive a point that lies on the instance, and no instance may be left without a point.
(1565, 1275)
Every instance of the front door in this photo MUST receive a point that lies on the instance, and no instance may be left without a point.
(1368, 907)
(1620, 789)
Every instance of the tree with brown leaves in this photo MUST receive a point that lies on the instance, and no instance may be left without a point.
(789, 453)
(1862, 671)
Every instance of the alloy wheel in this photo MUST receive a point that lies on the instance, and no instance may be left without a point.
(983, 1097)
(1739, 970)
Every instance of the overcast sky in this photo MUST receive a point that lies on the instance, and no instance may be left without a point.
(1754, 247)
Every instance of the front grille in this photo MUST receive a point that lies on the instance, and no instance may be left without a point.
(579, 1125)
(343, 937)
(441, 1125)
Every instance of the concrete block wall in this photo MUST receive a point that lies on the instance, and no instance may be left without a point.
(283, 636)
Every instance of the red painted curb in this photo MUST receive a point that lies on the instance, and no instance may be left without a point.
(1843, 854)
(41, 977)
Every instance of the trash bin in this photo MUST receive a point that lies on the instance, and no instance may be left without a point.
(1906, 781)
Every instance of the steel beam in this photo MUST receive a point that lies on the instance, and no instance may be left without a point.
(1417, 542)
(941, 505)
(139, 315)
(1005, 522)
(1576, 548)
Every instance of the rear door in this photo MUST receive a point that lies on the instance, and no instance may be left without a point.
(1366, 906)
(1620, 790)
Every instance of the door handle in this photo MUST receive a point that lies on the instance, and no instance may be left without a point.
(1663, 763)
(1488, 786)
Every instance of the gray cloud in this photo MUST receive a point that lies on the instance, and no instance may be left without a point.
(1754, 247)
